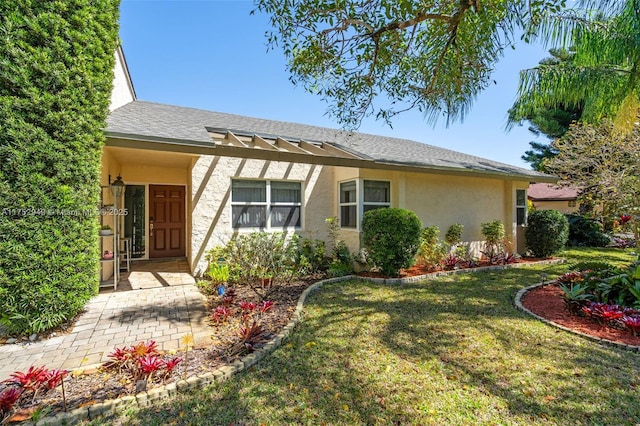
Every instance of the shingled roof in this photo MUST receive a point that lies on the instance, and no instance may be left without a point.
(141, 120)
(547, 192)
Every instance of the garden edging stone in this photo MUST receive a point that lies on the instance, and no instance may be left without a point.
(225, 372)
(518, 303)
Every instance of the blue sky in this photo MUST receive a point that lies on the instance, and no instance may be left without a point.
(212, 55)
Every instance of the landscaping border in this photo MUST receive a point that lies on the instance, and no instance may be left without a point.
(225, 372)
(520, 306)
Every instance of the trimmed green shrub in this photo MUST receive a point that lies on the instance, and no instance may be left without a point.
(546, 233)
(454, 234)
(493, 232)
(56, 75)
(494, 238)
(392, 237)
(431, 251)
(585, 232)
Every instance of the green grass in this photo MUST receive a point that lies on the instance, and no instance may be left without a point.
(449, 351)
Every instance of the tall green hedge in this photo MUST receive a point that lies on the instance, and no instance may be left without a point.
(56, 75)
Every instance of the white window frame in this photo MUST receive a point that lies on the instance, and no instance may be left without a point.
(524, 207)
(268, 204)
(360, 203)
(375, 203)
(349, 204)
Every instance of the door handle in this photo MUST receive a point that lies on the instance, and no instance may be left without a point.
(151, 229)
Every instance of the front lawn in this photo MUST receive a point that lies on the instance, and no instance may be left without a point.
(448, 351)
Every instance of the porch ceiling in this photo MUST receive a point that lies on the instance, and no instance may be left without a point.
(150, 158)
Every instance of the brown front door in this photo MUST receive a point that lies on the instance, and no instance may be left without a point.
(166, 221)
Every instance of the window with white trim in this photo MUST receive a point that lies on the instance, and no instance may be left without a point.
(266, 204)
(348, 204)
(375, 194)
(521, 206)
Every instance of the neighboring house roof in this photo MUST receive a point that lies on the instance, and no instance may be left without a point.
(548, 192)
(188, 127)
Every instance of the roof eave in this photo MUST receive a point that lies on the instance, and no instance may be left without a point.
(125, 140)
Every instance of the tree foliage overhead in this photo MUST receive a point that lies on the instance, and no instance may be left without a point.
(552, 122)
(605, 166)
(603, 77)
(435, 56)
(56, 74)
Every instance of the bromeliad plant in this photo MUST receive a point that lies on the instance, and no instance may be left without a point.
(142, 361)
(608, 295)
(23, 385)
(247, 316)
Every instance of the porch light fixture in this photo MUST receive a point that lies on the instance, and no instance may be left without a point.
(117, 187)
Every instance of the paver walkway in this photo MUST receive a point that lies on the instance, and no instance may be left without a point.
(164, 312)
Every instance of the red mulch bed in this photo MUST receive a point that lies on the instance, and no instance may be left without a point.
(546, 301)
(421, 269)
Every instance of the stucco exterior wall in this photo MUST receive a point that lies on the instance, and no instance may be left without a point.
(210, 198)
(561, 206)
(437, 199)
(444, 200)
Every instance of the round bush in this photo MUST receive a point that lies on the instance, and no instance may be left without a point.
(392, 238)
(547, 232)
(585, 232)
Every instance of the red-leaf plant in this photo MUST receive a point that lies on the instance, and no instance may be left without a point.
(571, 277)
(8, 398)
(251, 335)
(247, 306)
(632, 323)
(450, 262)
(34, 379)
(221, 313)
(265, 306)
(149, 364)
(229, 297)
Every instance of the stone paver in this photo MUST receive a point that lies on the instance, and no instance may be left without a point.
(167, 310)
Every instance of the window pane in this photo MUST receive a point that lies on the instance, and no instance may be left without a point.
(348, 192)
(283, 216)
(521, 199)
(249, 216)
(285, 192)
(348, 217)
(520, 215)
(376, 191)
(368, 207)
(248, 191)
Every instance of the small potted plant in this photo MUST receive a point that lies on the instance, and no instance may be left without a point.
(105, 230)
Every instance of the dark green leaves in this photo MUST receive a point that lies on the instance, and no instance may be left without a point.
(381, 58)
